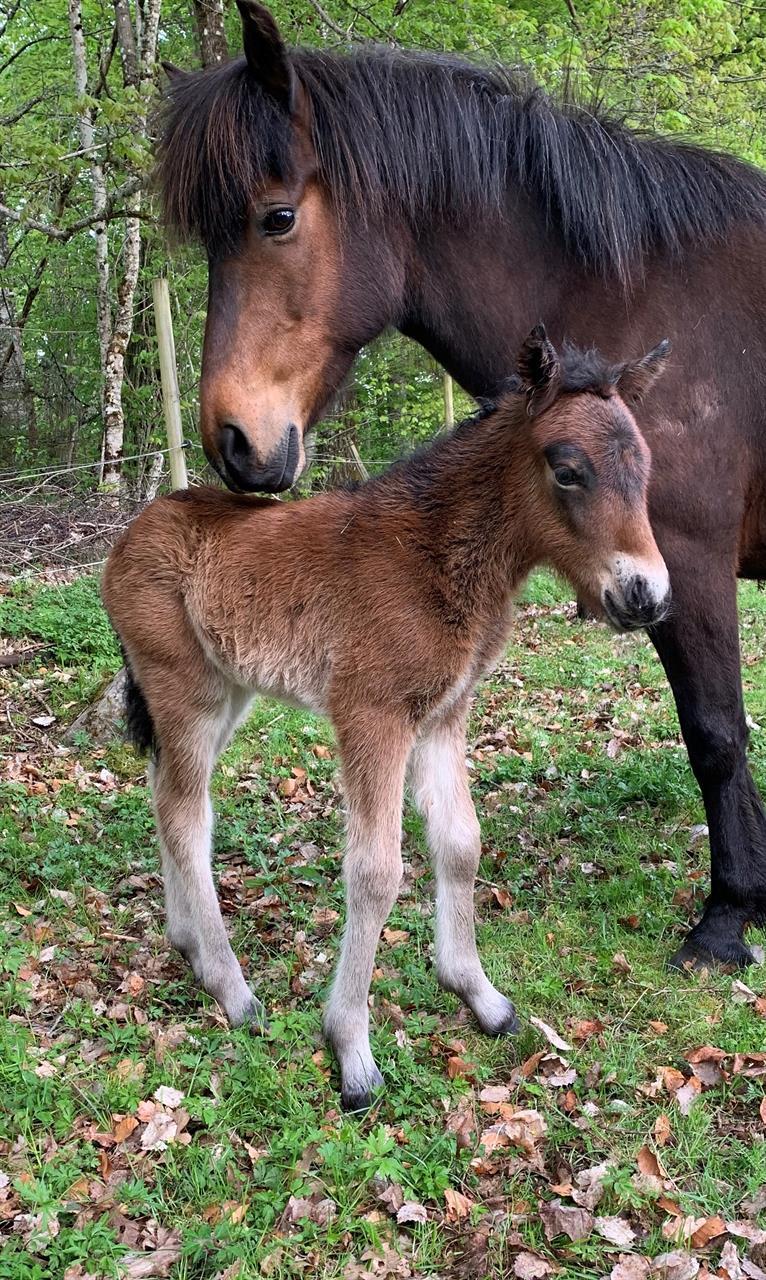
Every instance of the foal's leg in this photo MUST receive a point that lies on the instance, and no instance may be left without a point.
(191, 731)
(374, 758)
(440, 789)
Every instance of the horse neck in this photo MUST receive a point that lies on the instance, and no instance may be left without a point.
(470, 495)
(477, 288)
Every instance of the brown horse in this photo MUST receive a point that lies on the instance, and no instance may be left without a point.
(381, 608)
(341, 193)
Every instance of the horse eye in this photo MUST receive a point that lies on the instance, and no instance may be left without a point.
(277, 222)
(567, 478)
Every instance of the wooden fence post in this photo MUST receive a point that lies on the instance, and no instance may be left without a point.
(449, 402)
(171, 399)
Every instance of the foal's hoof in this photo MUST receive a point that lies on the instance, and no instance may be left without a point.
(722, 954)
(253, 1015)
(503, 1021)
(360, 1097)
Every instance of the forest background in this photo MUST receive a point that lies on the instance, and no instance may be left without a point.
(81, 240)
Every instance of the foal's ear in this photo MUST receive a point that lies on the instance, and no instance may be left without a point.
(266, 52)
(539, 370)
(639, 376)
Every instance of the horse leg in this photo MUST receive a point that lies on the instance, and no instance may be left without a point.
(699, 649)
(190, 733)
(374, 758)
(439, 782)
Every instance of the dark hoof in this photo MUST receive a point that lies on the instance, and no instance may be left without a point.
(360, 1097)
(507, 1025)
(357, 1100)
(696, 957)
(254, 1017)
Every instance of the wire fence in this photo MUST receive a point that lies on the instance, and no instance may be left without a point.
(50, 522)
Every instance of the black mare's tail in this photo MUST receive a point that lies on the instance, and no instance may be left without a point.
(138, 717)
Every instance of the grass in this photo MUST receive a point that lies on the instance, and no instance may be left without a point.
(594, 865)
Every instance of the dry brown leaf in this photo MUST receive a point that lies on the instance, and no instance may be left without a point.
(585, 1029)
(411, 1211)
(747, 1230)
(565, 1220)
(395, 937)
(688, 1094)
(590, 1185)
(751, 1065)
(659, 1028)
(630, 1267)
(493, 1094)
(123, 1126)
(708, 1231)
(168, 1097)
(160, 1130)
(459, 1069)
(675, 1266)
(762, 1109)
(458, 1205)
(651, 1172)
(616, 1230)
(672, 1078)
(140, 1266)
(662, 1130)
(729, 1265)
(551, 1036)
(529, 1266)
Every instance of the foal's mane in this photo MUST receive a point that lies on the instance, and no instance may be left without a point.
(423, 136)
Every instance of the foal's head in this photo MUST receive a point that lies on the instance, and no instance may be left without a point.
(591, 472)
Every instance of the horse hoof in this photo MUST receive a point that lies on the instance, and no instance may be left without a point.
(504, 1024)
(360, 1097)
(253, 1016)
(696, 957)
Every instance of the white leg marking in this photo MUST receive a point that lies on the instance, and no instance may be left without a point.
(440, 789)
(180, 791)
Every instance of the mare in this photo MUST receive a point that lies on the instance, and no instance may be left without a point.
(381, 608)
(338, 193)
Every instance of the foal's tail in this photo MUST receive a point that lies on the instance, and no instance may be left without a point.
(138, 717)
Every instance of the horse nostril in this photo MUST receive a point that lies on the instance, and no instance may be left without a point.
(234, 444)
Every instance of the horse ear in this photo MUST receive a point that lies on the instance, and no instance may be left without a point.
(265, 51)
(638, 377)
(173, 73)
(539, 370)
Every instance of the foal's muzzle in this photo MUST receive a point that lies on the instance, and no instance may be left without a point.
(638, 595)
(242, 470)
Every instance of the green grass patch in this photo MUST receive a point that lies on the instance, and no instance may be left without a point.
(594, 864)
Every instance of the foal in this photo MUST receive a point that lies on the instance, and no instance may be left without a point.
(380, 607)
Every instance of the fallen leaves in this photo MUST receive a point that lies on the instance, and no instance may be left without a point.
(568, 1220)
(530, 1266)
(551, 1036)
(616, 1230)
(458, 1205)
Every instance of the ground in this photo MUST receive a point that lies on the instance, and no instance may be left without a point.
(139, 1136)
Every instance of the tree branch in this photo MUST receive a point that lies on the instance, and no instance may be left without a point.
(15, 116)
(110, 214)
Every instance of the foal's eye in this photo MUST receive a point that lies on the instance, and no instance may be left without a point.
(567, 478)
(277, 222)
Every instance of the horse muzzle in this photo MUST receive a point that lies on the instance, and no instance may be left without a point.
(638, 595)
(243, 470)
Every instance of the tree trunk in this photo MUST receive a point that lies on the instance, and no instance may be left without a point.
(87, 132)
(211, 33)
(17, 407)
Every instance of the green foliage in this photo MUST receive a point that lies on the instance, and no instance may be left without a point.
(71, 620)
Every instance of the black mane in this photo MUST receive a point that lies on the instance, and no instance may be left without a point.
(423, 135)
